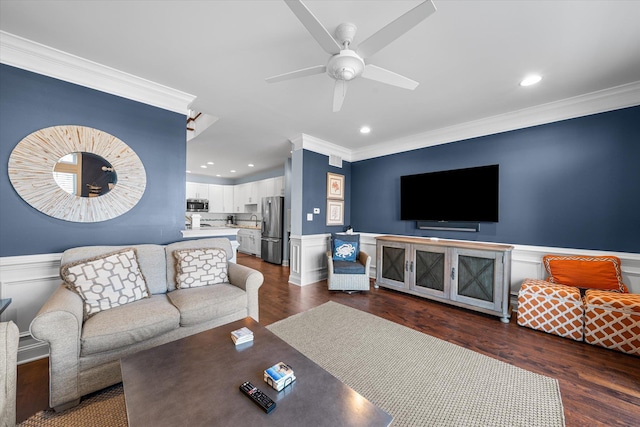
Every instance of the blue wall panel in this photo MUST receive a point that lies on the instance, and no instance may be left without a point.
(29, 102)
(314, 192)
(574, 184)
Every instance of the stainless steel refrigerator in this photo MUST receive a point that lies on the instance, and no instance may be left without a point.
(272, 229)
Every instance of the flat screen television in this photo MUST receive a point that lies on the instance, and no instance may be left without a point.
(460, 195)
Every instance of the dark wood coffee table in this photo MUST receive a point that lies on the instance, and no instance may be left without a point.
(194, 381)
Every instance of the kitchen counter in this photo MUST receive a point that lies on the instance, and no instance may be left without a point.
(226, 230)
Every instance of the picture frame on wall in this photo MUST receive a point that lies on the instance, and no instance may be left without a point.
(335, 186)
(335, 212)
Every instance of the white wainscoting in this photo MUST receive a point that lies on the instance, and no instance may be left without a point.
(308, 257)
(29, 281)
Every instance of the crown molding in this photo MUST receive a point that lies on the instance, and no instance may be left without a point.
(38, 58)
(317, 145)
(615, 98)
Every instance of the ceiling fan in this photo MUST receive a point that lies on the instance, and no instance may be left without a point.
(346, 64)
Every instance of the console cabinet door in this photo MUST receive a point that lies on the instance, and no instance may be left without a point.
(428, 268)
(477, 278)
(392, 265)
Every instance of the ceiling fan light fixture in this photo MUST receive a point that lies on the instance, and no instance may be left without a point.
(345, 66)
(531, 80)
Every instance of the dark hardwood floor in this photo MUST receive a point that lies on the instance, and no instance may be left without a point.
(599, 387)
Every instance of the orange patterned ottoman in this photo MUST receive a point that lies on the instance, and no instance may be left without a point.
(612, 320)
(556, 309)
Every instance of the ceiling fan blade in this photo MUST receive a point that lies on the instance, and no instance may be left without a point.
(395, 29)
(381, 75)
(318, 69)
(339, 92)
(317, 30)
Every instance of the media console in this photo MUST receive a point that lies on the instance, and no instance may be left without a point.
(472, 275)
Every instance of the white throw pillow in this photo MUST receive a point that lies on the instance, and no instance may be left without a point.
(200, 267)
(106, 281)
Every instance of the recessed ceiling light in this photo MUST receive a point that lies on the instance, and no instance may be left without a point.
(218, 175)
(232, 171)
(365, 129)
(530, 80)
(188, 171)
(210, 163)
(203, 166)
(250, 165)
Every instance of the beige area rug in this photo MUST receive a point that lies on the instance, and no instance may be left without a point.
(418, 379)
(105, 408)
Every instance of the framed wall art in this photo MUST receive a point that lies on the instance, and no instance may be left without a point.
(335, 212)
(335, 186)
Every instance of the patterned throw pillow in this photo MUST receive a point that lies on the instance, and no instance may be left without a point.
(344, 251)
(106, 281)
(588, 272)
(200, 267)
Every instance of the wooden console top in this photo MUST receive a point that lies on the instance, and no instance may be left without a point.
(446, 242)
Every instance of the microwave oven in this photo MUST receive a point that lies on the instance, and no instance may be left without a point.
(197, 205)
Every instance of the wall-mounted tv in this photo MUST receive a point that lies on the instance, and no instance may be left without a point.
(460, 195)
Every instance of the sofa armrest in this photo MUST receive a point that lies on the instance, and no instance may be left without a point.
(330, 263)
(250, 280)
(59, 323)
(365, 260)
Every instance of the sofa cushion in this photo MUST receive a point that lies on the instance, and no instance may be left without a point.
(151, 259)
(348, 267)
(200, 267)
(171, 271)
(198, 305)
(106, 281)
(587, 272)
(129, 324)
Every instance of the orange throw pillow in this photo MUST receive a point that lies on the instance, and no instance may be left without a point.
(590, 272)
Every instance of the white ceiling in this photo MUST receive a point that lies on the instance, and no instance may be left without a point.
(468, 57)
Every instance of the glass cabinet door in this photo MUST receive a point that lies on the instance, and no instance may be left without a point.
(393, 264)
(476, 277)
(429, 265)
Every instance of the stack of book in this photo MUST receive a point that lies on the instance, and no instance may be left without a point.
(242, 335)
(279, 376)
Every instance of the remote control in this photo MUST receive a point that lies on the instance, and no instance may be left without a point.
(258, 397)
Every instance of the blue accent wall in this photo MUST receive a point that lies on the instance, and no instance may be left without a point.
(29, 102)
(314, 192)
(572, 184)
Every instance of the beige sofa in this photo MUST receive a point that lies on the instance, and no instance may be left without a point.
(8, 373)
(84, 354)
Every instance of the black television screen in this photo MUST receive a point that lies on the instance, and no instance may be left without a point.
(460, 195)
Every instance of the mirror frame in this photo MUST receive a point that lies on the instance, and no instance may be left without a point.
(31, 173)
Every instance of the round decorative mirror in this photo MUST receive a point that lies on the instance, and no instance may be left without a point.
(85, 174)
(77, 173)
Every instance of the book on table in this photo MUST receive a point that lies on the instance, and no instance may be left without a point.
(242, 335)
(279, 376)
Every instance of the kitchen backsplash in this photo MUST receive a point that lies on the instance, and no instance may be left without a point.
(220, 220)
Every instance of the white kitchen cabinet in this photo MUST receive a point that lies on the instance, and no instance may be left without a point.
(251, 195)
(266, 188)
(215, 198)
(197, 191)
(239, 192)
(220, 198)
(227, 198)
